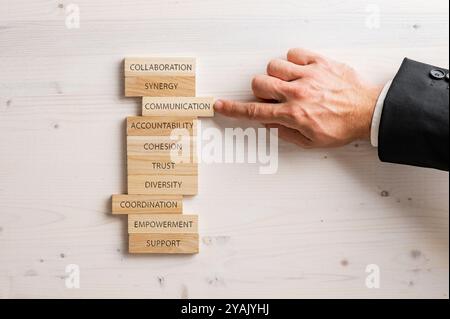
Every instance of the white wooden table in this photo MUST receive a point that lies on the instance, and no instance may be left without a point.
(308, 231)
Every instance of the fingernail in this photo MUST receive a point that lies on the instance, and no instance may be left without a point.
(218, 105)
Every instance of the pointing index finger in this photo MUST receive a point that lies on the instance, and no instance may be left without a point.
(263, 112)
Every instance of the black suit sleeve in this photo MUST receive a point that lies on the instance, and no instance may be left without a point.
(415, 119)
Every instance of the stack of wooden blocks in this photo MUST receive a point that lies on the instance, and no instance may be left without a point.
(157, 182)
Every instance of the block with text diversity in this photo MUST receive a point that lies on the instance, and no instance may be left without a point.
(162, 184)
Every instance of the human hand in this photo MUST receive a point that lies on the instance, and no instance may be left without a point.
(312, 100)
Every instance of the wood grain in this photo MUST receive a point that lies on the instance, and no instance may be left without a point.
(162, 224)
(146, 204)
(163, 243)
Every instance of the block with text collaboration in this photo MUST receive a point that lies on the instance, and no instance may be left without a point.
(162, 164)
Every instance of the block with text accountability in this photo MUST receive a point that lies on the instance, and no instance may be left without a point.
(161, 126)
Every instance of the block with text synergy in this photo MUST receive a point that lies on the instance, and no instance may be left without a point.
(162, 164)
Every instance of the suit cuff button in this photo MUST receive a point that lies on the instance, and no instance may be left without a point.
(437, 74)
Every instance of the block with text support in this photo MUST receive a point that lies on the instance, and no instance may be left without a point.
(147, 204)
(163, 243)
(162, 224)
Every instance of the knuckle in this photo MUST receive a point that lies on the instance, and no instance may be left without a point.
(298, 92)
(286, 111)
(232, 108)
(252, 111)
(299, 115)
(291, 90)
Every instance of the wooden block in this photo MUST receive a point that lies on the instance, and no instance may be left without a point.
(149, 165)
(160, 86)
(163, 243)
(147, 204)
(178, 106)
(162, 184)
(149, 155)
(159, 66)
(159, 126)
(162, 224)
(161, 145)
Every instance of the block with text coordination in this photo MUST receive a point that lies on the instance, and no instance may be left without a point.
(160, 86)
(178, 106)
(163, 184)
(162, 224)
(147, 204)
(161, 126)
(159, 66)
(164, 243)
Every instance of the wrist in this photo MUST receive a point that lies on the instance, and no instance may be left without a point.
(371, 97)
